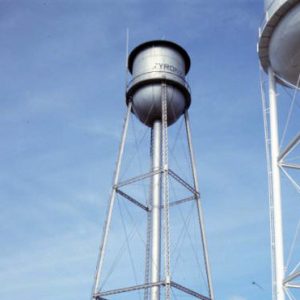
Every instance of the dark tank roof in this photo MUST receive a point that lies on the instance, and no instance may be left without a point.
(150, 44)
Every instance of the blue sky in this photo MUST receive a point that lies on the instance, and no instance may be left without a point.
(62, 104)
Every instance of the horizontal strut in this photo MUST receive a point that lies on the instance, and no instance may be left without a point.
(289, 147)
(188, 291)
(146, 208)
(132, 200)
(292, 285)
(100, 295)
(184, 183)
(174, 203)
(290, 166)
(137, 178)
(291, 277)
(149, 174)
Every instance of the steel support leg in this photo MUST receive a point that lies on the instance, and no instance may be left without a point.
(199, 207)
(111, 203)
(165, 188)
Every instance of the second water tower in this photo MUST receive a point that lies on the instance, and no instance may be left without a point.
(279, 54)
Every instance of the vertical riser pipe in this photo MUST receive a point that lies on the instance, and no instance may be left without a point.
(156, 210)
(276, 192)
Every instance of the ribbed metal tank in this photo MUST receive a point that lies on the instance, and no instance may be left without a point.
(279, 43)
(151, 64)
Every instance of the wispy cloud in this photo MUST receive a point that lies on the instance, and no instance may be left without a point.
(237, 298)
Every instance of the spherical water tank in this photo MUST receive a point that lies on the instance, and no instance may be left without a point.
(152, 64)
(279, 44)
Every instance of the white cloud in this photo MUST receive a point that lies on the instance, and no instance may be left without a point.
(236, 297)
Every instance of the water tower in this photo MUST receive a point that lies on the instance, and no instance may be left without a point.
(157, 95)
(279, 53)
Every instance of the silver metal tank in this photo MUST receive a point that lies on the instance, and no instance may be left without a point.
(151, 64)
(279, 43)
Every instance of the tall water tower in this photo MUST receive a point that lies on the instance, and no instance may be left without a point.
(158, 95)
(279, 53)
